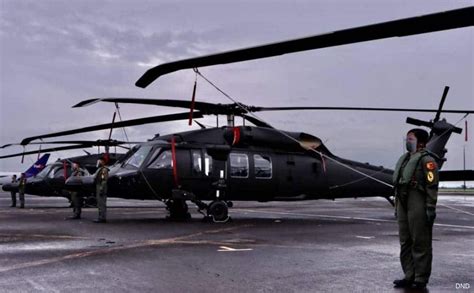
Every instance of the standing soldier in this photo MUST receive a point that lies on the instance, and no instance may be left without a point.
(75, 197)
(21, 190)
(416, 182)
(13, 193)
(101, 190)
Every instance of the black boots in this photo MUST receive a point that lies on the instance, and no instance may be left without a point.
(403, 283)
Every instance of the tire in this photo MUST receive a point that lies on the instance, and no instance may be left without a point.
(219, 211)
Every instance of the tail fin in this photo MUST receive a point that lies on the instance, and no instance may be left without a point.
(440, 132)
(38, 166)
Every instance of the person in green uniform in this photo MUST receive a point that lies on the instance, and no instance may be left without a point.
(101, 177)
(21, 190)
(416, 186)
(76, 199)
(13, 193)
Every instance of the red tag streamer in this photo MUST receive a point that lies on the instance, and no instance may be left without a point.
(173, 158)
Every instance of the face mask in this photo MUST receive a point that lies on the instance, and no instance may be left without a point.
(411, 145)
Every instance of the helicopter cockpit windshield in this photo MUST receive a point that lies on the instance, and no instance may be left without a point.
(138, 157)
(44, 172)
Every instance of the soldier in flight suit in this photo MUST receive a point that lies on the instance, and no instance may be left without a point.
(75, 197)
(21, 190)
(101, 190)
(13, 193)
(416, 186)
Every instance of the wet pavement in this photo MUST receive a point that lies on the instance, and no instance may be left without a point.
(348, 245)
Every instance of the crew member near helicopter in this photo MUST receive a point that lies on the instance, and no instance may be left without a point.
(13, 193)
(75, 197)
(21, 190)
(416, 186)
(101, 190)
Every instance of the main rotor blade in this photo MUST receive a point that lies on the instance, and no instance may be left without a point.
(204, 107)
(83, 142)
(257, 122)
(140, 121)
(441, 103)
(216, 109)
(257, 109)
(71, 147)
(397, 28)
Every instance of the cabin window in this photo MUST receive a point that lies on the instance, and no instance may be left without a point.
(197, 162)
(239, 165)
(262, 167)
(164, 161)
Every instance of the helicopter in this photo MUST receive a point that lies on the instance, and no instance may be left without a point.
(259, 163)
(244, 163)
(50, 182)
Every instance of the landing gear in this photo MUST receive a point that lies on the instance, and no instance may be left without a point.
(178, 210)
(218, 211)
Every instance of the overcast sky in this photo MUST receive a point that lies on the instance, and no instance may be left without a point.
(57, 53)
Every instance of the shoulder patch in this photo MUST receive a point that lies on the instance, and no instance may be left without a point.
(430, 176)
(430, 166)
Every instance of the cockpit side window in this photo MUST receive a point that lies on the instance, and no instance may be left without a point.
(59, 172)
(44, 172)
(53, 172)
(138, 157)
(163, 161)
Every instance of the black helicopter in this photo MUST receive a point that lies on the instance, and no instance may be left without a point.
(232, 163)
(50, 182)
(244, 163)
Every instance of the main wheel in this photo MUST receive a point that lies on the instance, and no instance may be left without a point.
(218, 211)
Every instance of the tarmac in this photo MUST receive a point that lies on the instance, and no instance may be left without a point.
(348, 245)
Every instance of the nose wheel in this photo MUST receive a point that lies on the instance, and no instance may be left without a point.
(218, 211)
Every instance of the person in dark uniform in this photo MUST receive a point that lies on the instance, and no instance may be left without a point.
(416, 186)
(21, 190)
(13, 193)
(76, 199)
(101, 190)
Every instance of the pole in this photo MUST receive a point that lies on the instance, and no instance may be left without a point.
(464, 163)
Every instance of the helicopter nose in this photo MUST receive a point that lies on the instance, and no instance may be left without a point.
(34, 185)
(80, 183)
(120, 181)
(9, 187)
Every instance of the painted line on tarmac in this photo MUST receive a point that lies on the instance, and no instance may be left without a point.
(42, 236)
(455, 209)
(98, 252)
(343, 218)
(230, 249)
(38, 287)
(365, 237)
